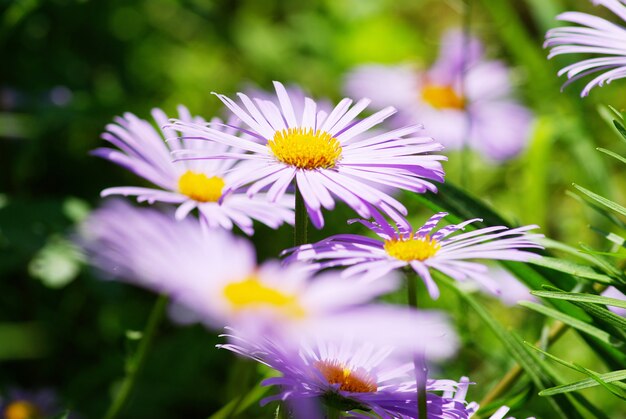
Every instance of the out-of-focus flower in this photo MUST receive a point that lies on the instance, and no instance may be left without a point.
(328, 154)
(191, 184)
(22, 404)
(463, 99)
(613, 292)
(595, 35)
(214, 274)
(511, 290)
(421, 250)
(351, 377)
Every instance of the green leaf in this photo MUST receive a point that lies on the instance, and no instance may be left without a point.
(596, 378)
(602, 200)
(620, 128)
(608, 377)
(573, 322)
(572, 268)
(614, 389)
(612, 154)
(566, 248)
(587, 298)
(616, 325)
(599, 209)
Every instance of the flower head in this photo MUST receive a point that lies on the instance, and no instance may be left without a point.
(215, 275)
(22, 404)
(349, 376)
(461, 98)
(190, 184)
(595, 35)
(329, 155)
(421, 250)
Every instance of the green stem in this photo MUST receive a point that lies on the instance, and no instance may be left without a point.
(332, 413)
(302, 220)
(419, 361)
(138, 359)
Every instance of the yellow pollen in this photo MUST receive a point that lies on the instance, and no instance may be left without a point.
(21, 410)
(305, 149)
(348, 380)
(442, 97)
(252, 293)
(200, 187)
(412, 248)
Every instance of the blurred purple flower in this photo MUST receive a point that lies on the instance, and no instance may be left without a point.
(351, 377)
(595, 35)
(612, 292)
(214, 274)
(462, 98)
(511, 290)
(420, 250)
(25, 404)
(322, 153)
(191, 184)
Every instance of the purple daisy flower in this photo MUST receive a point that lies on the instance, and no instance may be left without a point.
(190, 184)
(595, 35)
(421, 250)
(214, 274)
(353, 377)
(328, 154)
(462, 99)
(23, 404)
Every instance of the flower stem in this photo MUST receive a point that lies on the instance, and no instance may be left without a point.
(419, 361)
(302, 220)
(138, 359)
(332, 413)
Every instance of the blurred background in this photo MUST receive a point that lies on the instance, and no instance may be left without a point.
(68, 67)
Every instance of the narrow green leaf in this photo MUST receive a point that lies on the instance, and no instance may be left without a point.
(602, 200)
(597, 208)
(596, 379)
(587, 298)
(573, 322)
(608, 377)
(566, 248)
(615, 325)
(620, 128)
(604, 264)
(572, 268)
(612, 154)
(615, 390)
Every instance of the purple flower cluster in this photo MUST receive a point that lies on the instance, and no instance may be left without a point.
(463, 99)
(331, 343)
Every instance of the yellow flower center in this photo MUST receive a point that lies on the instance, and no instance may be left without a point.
(410, 248)
(252, 293)
(348, 380)
(442, 97)
(200, 187)
(305, 149)
(21, 410)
